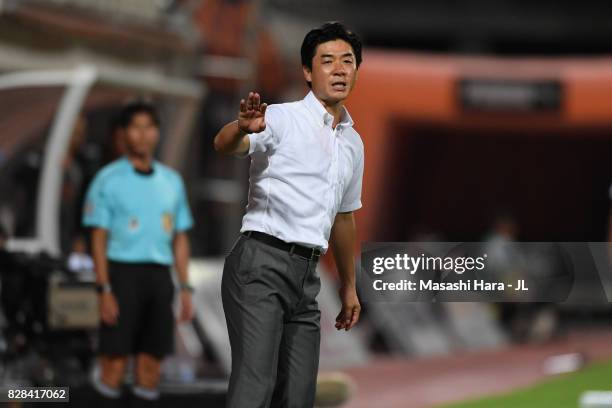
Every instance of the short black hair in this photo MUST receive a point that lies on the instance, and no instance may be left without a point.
(134, 108)
(328, 32)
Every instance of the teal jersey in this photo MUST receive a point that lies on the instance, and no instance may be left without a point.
(141, 212)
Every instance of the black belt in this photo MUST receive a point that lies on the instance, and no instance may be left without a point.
(303, 251)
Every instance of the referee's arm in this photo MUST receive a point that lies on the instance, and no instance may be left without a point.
(182, 252)
(109, 310)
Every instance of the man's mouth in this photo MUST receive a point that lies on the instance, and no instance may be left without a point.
(339, 85)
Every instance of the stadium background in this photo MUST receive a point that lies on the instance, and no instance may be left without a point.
(481, 120)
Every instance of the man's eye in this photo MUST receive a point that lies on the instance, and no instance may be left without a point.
(348, 61)
(327, 62)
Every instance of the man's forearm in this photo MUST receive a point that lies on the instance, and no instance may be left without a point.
(343, 246)
(98, 252)
(181, 257)
(231, 140)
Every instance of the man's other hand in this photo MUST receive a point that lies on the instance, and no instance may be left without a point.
(349, 314)
(186, 312)
(109, 308)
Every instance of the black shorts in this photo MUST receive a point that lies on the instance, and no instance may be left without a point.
(145, 324)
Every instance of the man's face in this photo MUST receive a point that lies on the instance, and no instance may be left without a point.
(141, 135)
(334, 71)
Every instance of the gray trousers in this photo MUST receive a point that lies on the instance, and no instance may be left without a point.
(273, 322)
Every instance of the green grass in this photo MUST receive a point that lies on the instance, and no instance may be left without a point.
(559, 392)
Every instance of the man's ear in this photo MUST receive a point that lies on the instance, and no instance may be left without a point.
(307, 73)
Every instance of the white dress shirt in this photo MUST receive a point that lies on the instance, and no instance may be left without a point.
(303, 173)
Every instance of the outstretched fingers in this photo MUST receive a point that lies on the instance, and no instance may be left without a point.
(256, 102)
(249, 101)
(252, 105)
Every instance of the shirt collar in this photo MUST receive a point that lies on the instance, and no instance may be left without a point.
(129, 164)
(315, 106)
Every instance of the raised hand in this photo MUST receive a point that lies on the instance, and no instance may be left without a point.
(251, 118)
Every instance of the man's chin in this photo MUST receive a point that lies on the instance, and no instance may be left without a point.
(337, 96)
(140, 153)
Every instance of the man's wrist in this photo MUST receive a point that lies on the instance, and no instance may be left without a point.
(102, 288)
(348, 286)
(347, 281)
(186, 287)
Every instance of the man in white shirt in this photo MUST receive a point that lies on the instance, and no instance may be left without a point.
(305, 182)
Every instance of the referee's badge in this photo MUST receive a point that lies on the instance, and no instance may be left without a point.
(167, 222)
(133, 224)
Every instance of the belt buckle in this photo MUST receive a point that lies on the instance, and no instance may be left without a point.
(314, 253)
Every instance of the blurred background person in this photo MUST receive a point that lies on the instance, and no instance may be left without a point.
(138, 211)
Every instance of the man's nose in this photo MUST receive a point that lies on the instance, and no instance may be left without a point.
(339, 69)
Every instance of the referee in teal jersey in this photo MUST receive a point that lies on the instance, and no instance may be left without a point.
(138, 211)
